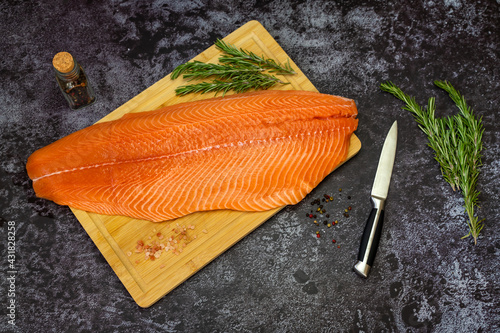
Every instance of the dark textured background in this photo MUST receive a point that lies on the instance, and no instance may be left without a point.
(280, 278)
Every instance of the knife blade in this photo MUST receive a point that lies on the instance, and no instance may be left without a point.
(380, 189)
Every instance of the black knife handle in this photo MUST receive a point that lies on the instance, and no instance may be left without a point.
(370, 239)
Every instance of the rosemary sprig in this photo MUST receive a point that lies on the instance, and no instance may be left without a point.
(235, 56)
(200, 70)
(457, 145)
(238, 70)
(240, 83)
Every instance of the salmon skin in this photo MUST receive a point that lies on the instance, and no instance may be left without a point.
(248, 152)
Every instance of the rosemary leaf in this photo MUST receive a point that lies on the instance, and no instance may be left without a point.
(457, 145)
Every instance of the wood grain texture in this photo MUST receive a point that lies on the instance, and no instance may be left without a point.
(216, 231)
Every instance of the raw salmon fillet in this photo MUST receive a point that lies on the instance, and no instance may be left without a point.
(249, 152)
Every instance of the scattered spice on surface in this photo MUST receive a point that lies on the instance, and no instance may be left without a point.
(175, 242)
(321, 207)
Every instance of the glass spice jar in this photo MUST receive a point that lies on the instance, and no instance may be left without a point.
(73, 81)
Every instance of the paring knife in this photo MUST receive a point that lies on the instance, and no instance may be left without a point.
(373, 228)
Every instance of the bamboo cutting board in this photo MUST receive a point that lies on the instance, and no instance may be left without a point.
(207, 234)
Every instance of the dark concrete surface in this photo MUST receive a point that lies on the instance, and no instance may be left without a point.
(280, 278)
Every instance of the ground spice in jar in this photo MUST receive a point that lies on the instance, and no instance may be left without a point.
(72, 81)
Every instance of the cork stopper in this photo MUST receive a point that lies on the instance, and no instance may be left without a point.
(63, 62)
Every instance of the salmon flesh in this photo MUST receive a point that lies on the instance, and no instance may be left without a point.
(247, 152)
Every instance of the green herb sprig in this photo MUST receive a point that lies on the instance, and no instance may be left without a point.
(457, 145)
(238, 70)
(235, 56)
(239, 84)
(200, 70)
